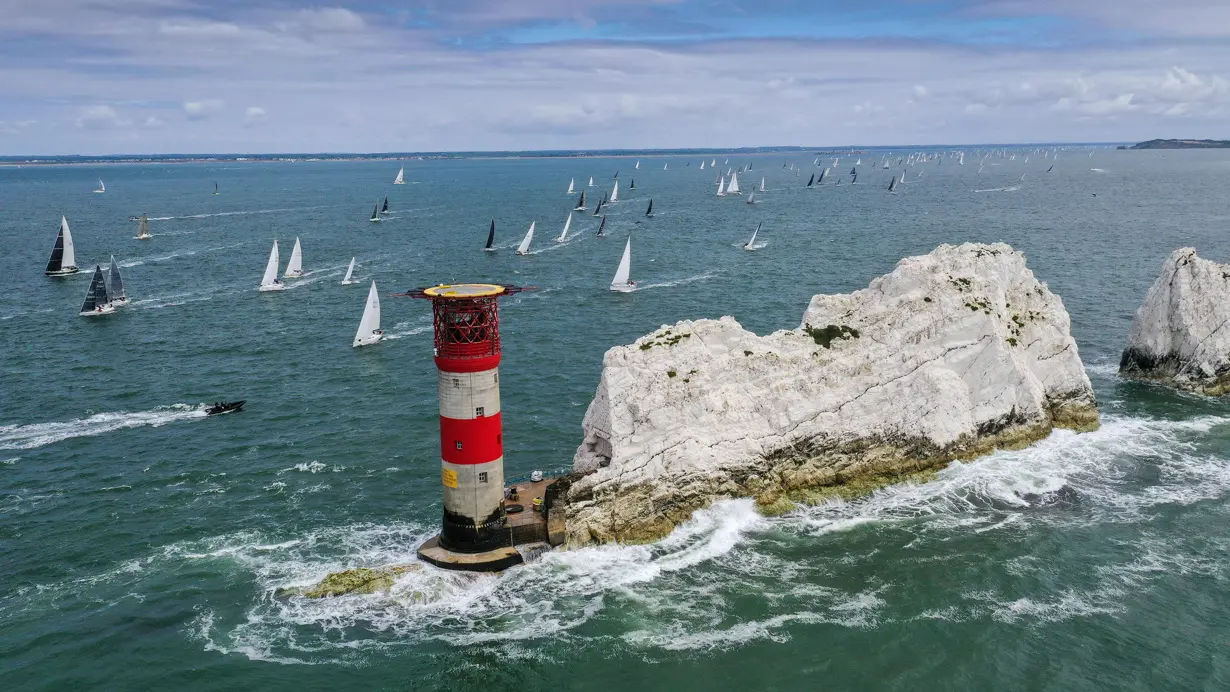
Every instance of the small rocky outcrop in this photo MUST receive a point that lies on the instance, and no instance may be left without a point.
(363, 580)
(951, 355)
(1179, 336)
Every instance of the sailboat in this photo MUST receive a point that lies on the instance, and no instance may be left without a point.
(598, 209)
(601, 226)
(116, 294)
(294, 268)
(732, 188)
(524, 247)
(375, 213)
(721, 186)
(823, 173)
(369, 326)
(215, 188)
(1051, 168)
(622, 283)
(270, 281)
(591, 181)
(892, 184)
(580, 203)
(616, 176)
(615, 193)
(632, 184)
(638, 165)
(349, 278)
(572, 184)
(854, 179)
(101, 188)
(751, 244)
(762, 184)
(401, 176)
(751, 196)
(96, 300)
(385, 208)
(491, 236)
(666, 165)
(713, 163)
(649, 211)
(702, 165)
(812, 180)
(143, 228)
(564, 234)
(63, 260)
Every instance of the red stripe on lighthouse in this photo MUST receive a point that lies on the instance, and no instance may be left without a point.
(471, 441)
(468, 364)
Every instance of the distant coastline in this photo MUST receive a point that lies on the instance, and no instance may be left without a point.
(64, 160)
(1184, 144)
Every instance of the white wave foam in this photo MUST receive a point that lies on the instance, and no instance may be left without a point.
(41, 434)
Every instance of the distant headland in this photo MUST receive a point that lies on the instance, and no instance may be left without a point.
(1184, 144)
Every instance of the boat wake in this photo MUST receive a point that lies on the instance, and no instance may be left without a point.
(37, 435)
(677, 282)
(402, 329)
(163, 258)
(233, 213)
(1012, 188)
(1098, 170)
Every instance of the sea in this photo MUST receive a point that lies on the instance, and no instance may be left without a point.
(143, 544)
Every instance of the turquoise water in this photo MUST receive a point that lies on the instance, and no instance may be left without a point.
(141, 543)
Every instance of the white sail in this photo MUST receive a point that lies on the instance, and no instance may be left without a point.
(614, 194)
(572, 184)
(751, 198)
(621, 282)
(567, 225)
(702, 165)
(369, 327)
(721, 186)
(762, 184)
(638, 165)
(294, 268)
(270, 281)
(101, 187)
(666, 166)
(524, 248)
(751, 244)
(143, 228)
(401, 176)
(69, 259)
(713, 163)
(591, 181)
(347, 280)
(732, 188)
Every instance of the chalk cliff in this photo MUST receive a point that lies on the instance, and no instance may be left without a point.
(1179, 336)
(951, 355)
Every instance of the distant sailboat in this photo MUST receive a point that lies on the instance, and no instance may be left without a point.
(632, 184)
(616, 176)
(751, 244)
(702, 165)
(732, 188)
(63, 259)
(270, 281)
(143, 228)
(666, 165)
(854, 179)
(823, 173)
(762, 184)
(598, 209)
(751, 197)
(294, 268)
(572, 184)
(623, 282)
(385, 208)
(116, 294)
(892, 184)
(601, 226)
(491, 236)
(564, 234)
(349, 278)
(713, 163)
(721, 186)
(812, 180)
(580, 203)
(524, 247)
(369, 326)
(1051, 168)
(96, 299)
(401, 176)
(375, 213)
(101, 188)
(215, 188)
(649, 211)
(615, 193)
(591, 181)
(638, 164)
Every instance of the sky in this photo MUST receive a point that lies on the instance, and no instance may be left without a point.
(261, 76)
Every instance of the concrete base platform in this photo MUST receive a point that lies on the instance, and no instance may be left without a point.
(489, 561)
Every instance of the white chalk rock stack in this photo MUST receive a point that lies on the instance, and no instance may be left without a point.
(1180, 335)
(951, 355)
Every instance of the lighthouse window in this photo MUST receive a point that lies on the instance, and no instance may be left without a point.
(478, 411)
(482, 476)
(458, 444)
(497, 378)
(456, 382)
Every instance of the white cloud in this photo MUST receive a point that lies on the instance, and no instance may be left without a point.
(920, 92)
(199, 110)
(325, 19)
(153, 122)
(100, 117)
(253, 115)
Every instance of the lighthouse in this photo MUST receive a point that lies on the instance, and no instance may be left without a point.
(475, 533)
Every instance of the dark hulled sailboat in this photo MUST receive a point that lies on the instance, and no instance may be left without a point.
(491, 236)
(96, 300)
(63, 259)
(649, 211)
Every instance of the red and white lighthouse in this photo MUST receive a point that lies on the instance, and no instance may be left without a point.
(467, 355)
